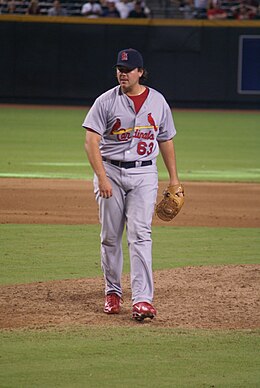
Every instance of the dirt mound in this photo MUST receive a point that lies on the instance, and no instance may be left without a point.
(224, 297)
(221, 297)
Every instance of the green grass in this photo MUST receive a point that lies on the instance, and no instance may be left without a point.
(43, 142)
(123, 357)
(48, 252)
(218, 145)
(127, 357)
(210, 145)
(49, 143)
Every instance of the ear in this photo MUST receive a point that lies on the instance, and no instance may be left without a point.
(140, 71)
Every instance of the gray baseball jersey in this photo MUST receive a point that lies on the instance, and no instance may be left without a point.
(128, 136)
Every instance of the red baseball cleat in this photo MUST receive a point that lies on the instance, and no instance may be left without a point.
(112, 304)
(142, 310)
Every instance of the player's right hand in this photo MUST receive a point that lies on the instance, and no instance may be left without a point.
(105, 188)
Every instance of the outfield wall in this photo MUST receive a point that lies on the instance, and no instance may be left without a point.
(70, 60)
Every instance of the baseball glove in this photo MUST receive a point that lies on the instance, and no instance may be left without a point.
(171, 204)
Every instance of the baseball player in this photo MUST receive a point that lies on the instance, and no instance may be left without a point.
(126, 128)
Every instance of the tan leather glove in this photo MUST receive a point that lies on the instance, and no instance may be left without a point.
(171, 204)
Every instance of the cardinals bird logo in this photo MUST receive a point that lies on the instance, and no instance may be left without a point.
(117, 130)
(151, 121)
(116, 126)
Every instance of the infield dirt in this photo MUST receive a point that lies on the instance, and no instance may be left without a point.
(225, 297)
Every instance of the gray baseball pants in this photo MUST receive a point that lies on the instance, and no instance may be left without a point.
(132, 205)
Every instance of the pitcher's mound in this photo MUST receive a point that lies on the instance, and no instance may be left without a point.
(219, 297)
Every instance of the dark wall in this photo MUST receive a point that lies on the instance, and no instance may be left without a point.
(73, 63)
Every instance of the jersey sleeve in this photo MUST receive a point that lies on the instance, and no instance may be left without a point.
(167, 128)
(96, 118)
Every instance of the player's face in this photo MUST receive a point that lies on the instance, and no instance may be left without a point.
(128, 78)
